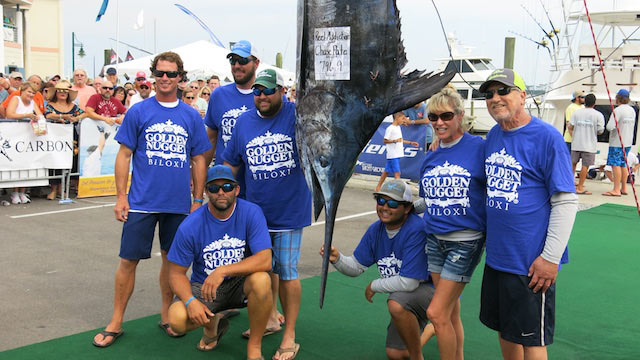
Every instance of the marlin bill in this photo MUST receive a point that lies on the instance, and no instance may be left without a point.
(350, 58)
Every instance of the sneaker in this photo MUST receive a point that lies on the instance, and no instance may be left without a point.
(15, 198)
(24, 198)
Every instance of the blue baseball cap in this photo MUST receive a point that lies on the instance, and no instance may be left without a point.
(219, 172)
(242, 48)
(623, 93)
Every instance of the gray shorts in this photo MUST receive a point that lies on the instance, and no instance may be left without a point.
(230, 295)
(415, 302)
(588, 159)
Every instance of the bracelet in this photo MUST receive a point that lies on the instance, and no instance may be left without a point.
(199, 201)
(189, 301)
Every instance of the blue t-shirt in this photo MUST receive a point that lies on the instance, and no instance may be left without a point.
(418, 114)
(227, 103)
(163, 141)
(267, 148)
(524, 168)
(453, 187)
(208, 243)
(403, 255)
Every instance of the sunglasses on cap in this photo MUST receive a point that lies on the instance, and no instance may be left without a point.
(107, 88)
(503, 91)
(141, 79)
(239, 60)
(266, 91)
(228, 187)
(445, 116)
(170, 74)
(392, 204)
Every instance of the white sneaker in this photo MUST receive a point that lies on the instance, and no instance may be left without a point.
(24, 198)
(15, 198)
(606, 180)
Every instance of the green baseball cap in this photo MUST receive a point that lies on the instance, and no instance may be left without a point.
(504, 76)
(269, 78)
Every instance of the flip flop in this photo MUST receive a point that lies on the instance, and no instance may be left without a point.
(281, 351)
(223, 326)
(106, 334)
(623, 193)
(166, 327)
(584, 192)
(267, 332)
(610, 194)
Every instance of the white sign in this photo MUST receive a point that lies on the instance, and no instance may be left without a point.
(332, 49)
(20, 149)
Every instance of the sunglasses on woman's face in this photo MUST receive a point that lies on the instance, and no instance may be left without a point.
(445, 116)
(206, 94)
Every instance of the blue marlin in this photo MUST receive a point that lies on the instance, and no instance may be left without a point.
(349, 66)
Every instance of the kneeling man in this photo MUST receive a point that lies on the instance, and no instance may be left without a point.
(228, 245)
(396, 243)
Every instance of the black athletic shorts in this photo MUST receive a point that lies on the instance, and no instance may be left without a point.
(230, 295)
(509, 306)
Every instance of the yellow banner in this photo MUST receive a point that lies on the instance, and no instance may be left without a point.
(98, 186)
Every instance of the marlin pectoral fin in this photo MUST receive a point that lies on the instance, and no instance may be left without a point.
(414, 88)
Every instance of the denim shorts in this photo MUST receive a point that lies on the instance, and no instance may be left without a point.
(286, 253)
(454, 260)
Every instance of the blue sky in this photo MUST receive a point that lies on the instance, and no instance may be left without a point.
(271, 26)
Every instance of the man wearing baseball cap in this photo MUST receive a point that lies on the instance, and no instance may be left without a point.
(396, 244)
(626, 119)
(531, 205)
(15, 80)
(264, 142)
(227, 245)
(228, 102)
(144, 92)
(112, 75)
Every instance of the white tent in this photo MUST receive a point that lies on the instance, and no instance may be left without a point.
(201, 59)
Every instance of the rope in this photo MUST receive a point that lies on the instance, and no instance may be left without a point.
(615, 117)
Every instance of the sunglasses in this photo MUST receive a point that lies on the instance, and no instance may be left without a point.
(392, 204)
(170, 74)
(207, 94)
(144, 87)
(504, 91)
(266, 91)
(239, 60)
(107, 88)
(445, 116)
(228, 187)
(64, 91)
(141, 79)
(189, 97)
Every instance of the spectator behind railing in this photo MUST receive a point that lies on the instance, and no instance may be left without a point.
(61, 109)
(23, 107)
(120, 94)
(48, 86)
(205, 94)
(38, 98)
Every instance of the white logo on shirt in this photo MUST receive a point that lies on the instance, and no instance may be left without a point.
(446, 185)
(504, 176)
(270, 156)
(166, 144)
(228, 122)
(222, 252)
(389, 266)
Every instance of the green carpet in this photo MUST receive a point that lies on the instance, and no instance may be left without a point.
(597, 311)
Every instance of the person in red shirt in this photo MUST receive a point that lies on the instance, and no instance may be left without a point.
(104, 107)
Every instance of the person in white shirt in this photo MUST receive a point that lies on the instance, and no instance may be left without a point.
(584, 127)
(395, 149)
(626, 116)
(144, 92)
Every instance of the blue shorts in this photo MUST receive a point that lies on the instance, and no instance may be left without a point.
(138, 230)
(392, 166)
(454, 260)
(286, 253)
(616, 157)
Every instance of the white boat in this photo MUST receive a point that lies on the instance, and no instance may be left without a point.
(578, 67)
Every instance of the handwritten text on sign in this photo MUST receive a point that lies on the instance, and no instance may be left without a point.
(332, 47)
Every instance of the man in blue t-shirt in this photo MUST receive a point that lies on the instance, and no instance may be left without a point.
(228, 102)
(418, 116)
(227, 245)
(396, 243)
(163, 137)
(531, 206)
(264, 141)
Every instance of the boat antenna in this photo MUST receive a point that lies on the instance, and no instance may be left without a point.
(444, 32)
(554, 31)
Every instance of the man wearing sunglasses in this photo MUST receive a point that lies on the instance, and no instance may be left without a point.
(530, 208)
(264, 141)
(104, 107)
(144, 92)
(395, 243)
(165, 141)
(227, 245)
(228, 102)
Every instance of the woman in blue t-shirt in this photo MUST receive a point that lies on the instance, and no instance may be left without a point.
(452, 191)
